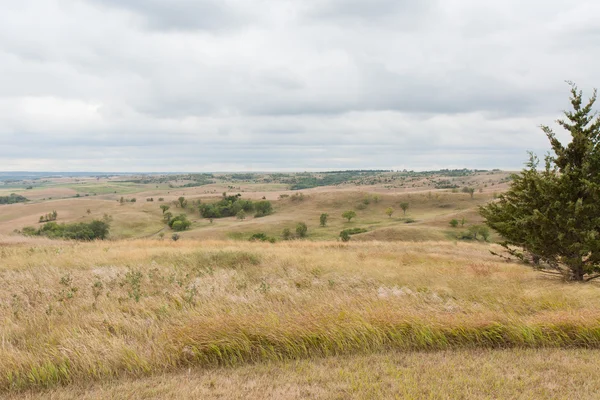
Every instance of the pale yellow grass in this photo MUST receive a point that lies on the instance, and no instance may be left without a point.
(80, 312)
(458, 374)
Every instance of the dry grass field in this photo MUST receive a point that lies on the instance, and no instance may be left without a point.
(107, 315)
(403, 310)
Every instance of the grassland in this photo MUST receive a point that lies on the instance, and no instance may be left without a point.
(404, 310)
(75, 314)
(457, 374)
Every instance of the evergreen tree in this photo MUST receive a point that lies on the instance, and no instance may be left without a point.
(551, 217)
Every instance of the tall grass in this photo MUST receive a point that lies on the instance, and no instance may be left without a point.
(95, 311)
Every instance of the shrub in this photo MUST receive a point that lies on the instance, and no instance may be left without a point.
(454, 223)
(361, 206)
(175, 237)
(355, 231)
(345, 236)
(93, 230)
(297, 197)
(180, 223)
(286, 234)
(301, 229)
(263, 208)
(262, 238)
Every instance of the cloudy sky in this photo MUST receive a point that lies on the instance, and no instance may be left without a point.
(221, 85)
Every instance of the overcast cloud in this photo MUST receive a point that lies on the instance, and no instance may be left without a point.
(215, 85)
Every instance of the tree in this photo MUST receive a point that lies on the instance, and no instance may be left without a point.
(471, 191)
(241, 215)
(301, 229)
(552, 216)
(404, 206)
(175, 237)
(167, 217)
(182, 202)
(164, 208)
(349, 215)
(323, 219)
(389, 211)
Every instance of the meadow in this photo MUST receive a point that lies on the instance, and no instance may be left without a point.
(403, 310)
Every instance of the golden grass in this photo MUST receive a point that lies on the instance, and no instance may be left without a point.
(458, 374)
(80, 312)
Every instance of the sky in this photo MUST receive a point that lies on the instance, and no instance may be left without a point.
(287, 85)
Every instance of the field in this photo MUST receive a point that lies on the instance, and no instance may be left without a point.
(405, 310)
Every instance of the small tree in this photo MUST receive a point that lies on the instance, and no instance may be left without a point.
(389, 211)
(349, 215)
(404, 206)
(463, 221)
(182, 202)
(323, 219)
(164, 208)
(301, 229)
(167, 217)
(175, 237)
(551, 217)
(241, 215)
(454, 223)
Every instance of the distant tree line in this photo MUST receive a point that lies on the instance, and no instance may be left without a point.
(12, 199)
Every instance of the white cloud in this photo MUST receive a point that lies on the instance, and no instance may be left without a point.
(290, 84)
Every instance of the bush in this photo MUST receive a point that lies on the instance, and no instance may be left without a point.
(297, 197)
(454, 223)
(301, 229)
(263, 207)
(345, 236)
(93, 230)
(286, 234)
(180, 223)
(262, 238)
(175, 237)
(355, 231)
